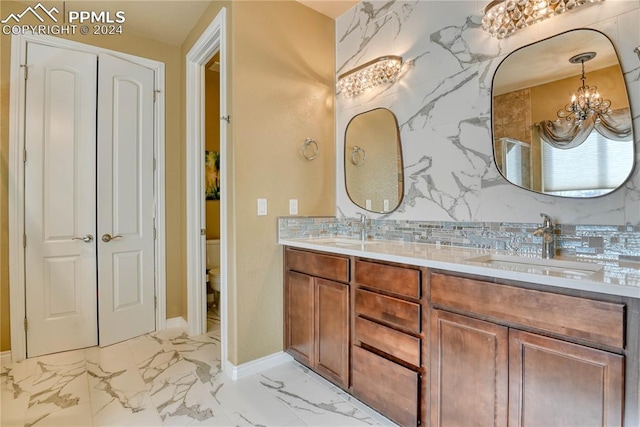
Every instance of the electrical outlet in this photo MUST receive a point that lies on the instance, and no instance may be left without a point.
(293, 206)
(262, 207)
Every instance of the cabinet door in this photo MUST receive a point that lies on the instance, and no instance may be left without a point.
(469, 371)
(298, 295)
(556, 383)
(332, 330)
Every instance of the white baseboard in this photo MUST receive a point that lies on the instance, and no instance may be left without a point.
(5, 357)
(177, 322)
(253, 367)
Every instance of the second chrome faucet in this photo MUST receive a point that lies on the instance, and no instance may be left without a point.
(547, 232)
(364, 223)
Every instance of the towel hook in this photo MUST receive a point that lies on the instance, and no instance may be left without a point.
(314, 149)
(358, 156)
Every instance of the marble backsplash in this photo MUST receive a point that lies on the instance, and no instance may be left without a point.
(588, 241)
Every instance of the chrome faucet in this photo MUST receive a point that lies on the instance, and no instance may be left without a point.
(547, 231)
(364, 223)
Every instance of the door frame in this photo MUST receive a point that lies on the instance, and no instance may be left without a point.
(16, 180)
(212, 40)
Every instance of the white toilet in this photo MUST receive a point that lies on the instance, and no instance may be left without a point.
(213, 271)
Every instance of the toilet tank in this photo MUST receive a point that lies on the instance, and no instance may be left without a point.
(213, 253)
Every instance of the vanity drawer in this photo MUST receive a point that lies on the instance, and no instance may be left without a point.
(319, 265)
(388, 310)
(398, 280)
(386, 386)
(599, 322)
(395, 343)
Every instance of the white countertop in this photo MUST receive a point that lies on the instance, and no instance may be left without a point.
(612, 277)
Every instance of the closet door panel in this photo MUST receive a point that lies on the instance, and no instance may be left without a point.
(60, 200)
(125, 201)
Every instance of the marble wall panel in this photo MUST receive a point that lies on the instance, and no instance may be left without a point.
(443, 104)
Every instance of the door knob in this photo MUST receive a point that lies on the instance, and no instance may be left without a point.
(87, 238)
(108, 237)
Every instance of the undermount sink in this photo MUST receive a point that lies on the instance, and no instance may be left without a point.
(556, 265)
(341, 241)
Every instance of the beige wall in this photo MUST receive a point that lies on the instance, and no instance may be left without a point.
(283, 90)
(135, 45)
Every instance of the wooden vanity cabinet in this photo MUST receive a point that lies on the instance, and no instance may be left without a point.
(494, 362)
(388, 335)
(316, 312)
(441, 349)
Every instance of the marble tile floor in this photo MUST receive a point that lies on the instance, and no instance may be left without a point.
(168, 378)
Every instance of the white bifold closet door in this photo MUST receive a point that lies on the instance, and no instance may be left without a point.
(60, 200)
(88, 173)
(125, 200)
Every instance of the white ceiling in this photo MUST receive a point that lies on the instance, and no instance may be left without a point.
(170, 21)
(330, 8)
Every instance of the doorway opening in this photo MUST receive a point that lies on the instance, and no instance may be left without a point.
(212, 42)
(212, 190)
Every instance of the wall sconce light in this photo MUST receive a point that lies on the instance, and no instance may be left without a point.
(381, 70)
(503, 17)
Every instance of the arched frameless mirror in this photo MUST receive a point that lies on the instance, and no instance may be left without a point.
(561, 119)
(373, 161)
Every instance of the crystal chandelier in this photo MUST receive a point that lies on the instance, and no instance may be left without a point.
(381, 70)
(503, 17)
(586, 101)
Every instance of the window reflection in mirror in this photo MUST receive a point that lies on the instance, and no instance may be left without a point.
(538, 149)
(373, 161)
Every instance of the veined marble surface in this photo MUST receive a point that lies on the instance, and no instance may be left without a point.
(442, 101)
(612, 277)
(168, 378)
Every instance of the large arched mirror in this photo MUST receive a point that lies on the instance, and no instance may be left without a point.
(373, 161)
(561, 119)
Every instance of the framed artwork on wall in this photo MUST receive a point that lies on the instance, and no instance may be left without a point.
(212, 175)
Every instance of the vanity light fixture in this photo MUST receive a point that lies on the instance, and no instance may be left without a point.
(586, 101)
(503, 17)
(384, 69)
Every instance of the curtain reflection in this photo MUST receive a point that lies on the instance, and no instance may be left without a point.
(564, 134)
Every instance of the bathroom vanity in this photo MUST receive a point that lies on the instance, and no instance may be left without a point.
(445, 336)
(451, 336)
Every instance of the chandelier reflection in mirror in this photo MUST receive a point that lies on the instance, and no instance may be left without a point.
(504, 17)
(384, 69)
(586, 101)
